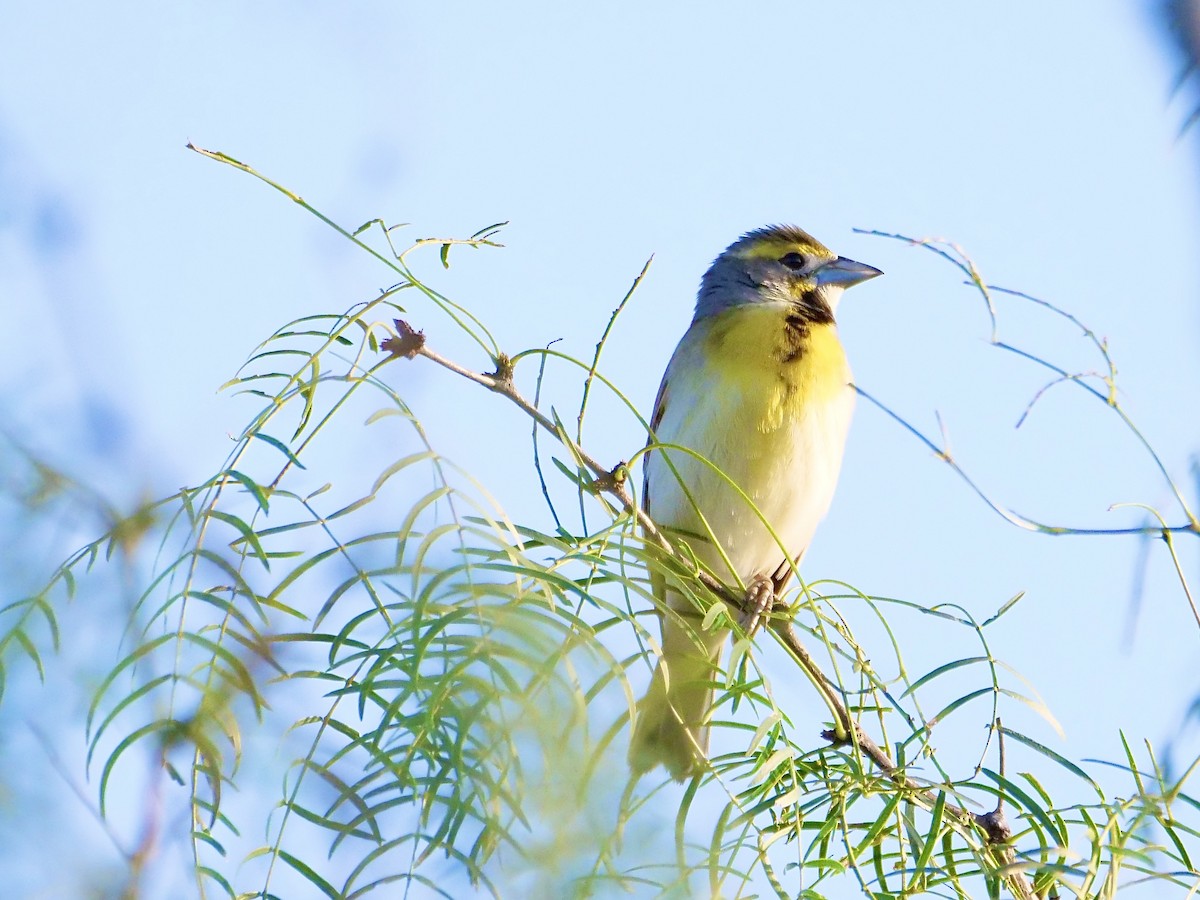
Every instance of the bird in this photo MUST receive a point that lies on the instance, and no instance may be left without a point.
(748, 430)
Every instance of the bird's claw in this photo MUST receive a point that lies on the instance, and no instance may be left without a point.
(760, 599)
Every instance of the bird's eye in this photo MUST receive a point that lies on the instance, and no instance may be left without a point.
(794, 261)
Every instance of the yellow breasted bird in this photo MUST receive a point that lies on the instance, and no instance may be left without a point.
(760, 388)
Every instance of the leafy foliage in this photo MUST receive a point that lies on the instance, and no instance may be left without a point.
(451, 688)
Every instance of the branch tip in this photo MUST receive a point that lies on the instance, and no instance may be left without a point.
(845, 738)
(407, 343)
(994, 825)
(611, 481)
(503, 376)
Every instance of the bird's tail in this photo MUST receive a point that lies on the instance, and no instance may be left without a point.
(671, 726)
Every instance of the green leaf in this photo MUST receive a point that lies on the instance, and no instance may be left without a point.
(278, 445)
(931, 838)
(246, 532)
(214, 875)
(1050, 754)
(251, 485)
(942, 670)
(310, 874)
(1003, 609)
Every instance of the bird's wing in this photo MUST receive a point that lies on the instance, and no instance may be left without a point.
(660, 409)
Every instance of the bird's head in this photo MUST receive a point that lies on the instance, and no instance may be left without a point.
(779, 264)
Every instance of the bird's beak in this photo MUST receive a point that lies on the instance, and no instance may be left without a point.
(844, 272)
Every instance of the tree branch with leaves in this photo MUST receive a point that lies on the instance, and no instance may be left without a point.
(452, 687)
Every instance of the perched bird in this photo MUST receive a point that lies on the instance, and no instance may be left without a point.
(759, 387)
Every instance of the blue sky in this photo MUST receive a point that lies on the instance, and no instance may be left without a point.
(135, 276)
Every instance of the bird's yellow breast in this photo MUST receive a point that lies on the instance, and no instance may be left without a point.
(778, 370)
(766, 406)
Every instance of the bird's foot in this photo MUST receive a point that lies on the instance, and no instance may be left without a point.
(760, 598)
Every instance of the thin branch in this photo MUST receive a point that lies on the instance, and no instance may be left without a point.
(1010, 516)
(958, 257)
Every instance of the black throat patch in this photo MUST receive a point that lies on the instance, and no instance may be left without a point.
(809, 310)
